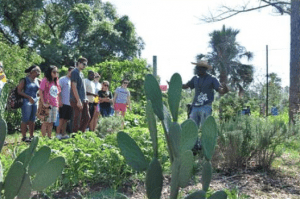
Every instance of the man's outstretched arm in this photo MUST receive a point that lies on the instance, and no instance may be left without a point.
(223, 89)
(185, 86)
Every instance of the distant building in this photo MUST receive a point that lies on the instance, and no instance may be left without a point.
(163, 88)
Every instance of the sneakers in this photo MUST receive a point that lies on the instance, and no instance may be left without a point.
(58, 136)
(26, 139)
(65, 137)
(31, 138)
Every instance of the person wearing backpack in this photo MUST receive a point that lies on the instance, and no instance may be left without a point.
(28, 88)
(49, 94)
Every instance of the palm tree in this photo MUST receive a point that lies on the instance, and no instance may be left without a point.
(225, 59)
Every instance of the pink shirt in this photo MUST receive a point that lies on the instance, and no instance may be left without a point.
(50, 92)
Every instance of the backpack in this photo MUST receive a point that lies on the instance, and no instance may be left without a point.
(14, 100)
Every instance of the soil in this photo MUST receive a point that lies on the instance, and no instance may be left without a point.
(250, 183)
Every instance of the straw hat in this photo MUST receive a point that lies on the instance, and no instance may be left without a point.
(203, 64)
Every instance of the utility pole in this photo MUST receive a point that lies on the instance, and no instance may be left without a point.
(267, 100)
(155, 66)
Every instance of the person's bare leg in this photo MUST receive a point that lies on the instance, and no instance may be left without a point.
(96, 120)
(23, 129)
(49, 129)
(64, 128)
(44, 129)
(59, 129)
(31, 128)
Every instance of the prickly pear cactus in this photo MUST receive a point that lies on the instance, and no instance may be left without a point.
(180, 140)
(30, 163)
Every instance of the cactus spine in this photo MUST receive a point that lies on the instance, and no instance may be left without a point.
(180, 140)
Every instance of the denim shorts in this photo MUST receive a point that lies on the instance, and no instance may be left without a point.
(28, 111)
(105, 111)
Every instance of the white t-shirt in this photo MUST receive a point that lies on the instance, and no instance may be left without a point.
(97, 87)
(65, 84)
(90, 87)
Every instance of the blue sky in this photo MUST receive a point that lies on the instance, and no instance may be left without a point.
(173, 32)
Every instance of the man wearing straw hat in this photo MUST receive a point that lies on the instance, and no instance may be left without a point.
(204, 85)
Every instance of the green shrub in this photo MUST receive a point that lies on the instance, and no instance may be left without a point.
(108, 125)
(246, 139)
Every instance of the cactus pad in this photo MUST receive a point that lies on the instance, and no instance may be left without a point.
(153, 93)
(186, 168)
(25, 190)
(152, 127)
(132, 152)
(206, 175)
(188, 136)
(13, 180)
(154, 180)
(174, 95)
(197, 195)
(209, 137)
(39, 159)
(48, 174)
(3, 132)
(218, 195)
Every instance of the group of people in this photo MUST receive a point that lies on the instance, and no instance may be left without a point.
(83, 100)
(71, 97)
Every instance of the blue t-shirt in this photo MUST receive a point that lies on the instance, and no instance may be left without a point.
(77, 77)
(204, 89)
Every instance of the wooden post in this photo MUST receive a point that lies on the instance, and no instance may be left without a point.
(267, 100)
(154, 66)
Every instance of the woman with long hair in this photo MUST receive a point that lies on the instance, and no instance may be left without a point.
(49, 90)
(28, 88)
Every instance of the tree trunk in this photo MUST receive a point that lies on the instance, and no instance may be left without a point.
(295, 60)
(241, 91)
(223, 77)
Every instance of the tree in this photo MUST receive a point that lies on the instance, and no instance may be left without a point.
(225, 12)
(225, 59)
(291, 7)
(62, 30)
(295, 60)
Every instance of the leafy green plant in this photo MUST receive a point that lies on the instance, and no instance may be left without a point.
(132, 120)
(180, 140)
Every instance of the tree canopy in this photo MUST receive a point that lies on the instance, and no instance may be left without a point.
(62, 30)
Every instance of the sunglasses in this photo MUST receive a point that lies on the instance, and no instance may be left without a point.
(105, 85)
(55, 71)
(84, 63)
(125, 82)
